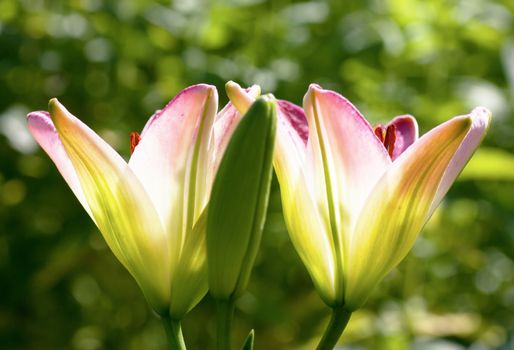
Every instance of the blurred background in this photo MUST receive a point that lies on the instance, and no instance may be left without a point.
(113, 63)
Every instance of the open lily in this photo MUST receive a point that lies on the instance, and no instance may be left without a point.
(356, 197)
(151, 209)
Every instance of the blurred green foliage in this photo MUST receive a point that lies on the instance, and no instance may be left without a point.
(113, 63)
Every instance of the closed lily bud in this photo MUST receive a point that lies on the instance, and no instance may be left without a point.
(239, 200)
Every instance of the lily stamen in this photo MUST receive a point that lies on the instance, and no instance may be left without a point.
(380, 132)
(134, 141)
(387, 137)
(390, 139)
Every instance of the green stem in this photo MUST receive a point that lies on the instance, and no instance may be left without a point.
(336, 326)
(224, 323)
(174, 333)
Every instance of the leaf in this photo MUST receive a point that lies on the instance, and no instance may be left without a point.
(248, 344)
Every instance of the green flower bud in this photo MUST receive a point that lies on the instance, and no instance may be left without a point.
(239, 200)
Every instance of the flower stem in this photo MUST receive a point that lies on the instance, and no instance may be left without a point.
(224, 323)
(336, 326)
(174, 333)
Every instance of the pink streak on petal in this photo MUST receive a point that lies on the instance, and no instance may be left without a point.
(43, 130)
(123, 210)
(406, 133)
(160, 158)
(348, 121)
(291, 141)
(399, 205)
(480, 118)
(358, 157)
(173, 104)
(294, 117)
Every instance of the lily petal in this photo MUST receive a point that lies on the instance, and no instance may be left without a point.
(481, 119)
(398, 208)
(310, 235)
(121, 208)
(191, 271)
(43, 130)
(343, 157)
(302, 214)
(347, 149)
(172, 158)
(406, 128)
(292, 135)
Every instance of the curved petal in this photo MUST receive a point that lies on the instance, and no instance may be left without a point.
(305, 218)
(296, 120)
(172, 158)
(121, 208)
(398, 208)
(310, 234)
(406, 130)
(43, 130)
(352, 156)
(344, 160)
(190, 282)
(292, 135)
(480, 120)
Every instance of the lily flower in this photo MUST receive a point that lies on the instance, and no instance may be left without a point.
(356, 197)
(151, 209)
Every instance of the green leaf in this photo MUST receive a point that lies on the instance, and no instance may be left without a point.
(239, 200)
(248, 344)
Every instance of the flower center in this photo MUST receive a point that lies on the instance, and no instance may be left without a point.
(387, 136)
(134, 141)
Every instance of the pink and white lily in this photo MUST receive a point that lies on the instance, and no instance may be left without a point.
(356, 197)
(151, 209)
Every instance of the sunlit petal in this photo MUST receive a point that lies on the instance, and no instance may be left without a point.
(43, 130)
(171, 159)
(310, 234)
(343, 158)
(398, 207)
(481, 119)
(121, 208)
(190, 282)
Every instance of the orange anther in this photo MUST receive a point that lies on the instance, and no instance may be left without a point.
(390, 139)
(380, 132)
(134, 140)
